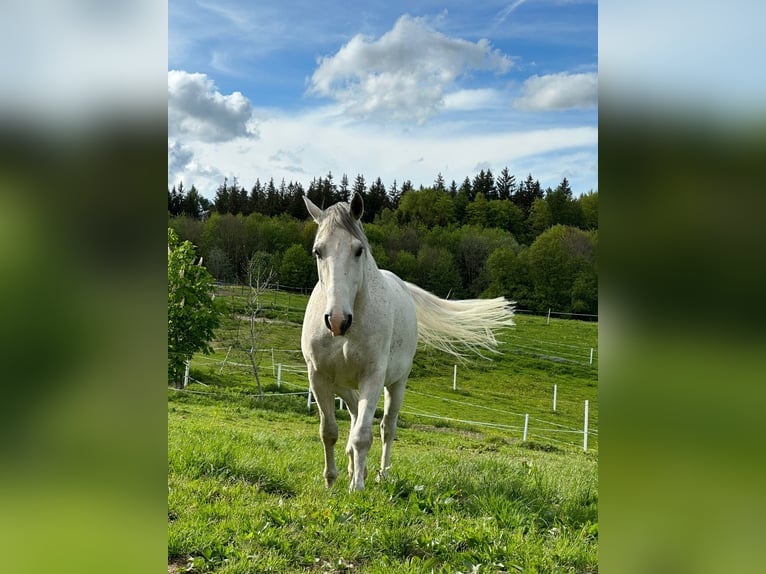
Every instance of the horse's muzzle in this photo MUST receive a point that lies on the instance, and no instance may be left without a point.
(337, 324)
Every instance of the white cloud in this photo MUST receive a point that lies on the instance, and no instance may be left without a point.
(466, 100)
(505, 12)
(404, 74)
(558, 92)
(390, 152)
(179, 156)
(198, 110)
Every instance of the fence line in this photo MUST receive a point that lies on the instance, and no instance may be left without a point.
(566, 429)
(413, 412)
(549, 342)
(530, 312)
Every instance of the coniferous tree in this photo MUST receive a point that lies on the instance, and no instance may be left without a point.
(375, 201)
(484, 183)
(505, 184)
(564, 208)
(272, 198)
(360, 186)
(257, 199)
(525, 196)
(222, 201)
(330, 190)
(343, 189)
(192, 204)
(439, 183)
(175, 200)
(394, 194)
(238, 199)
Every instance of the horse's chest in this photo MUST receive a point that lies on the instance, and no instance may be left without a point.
(345, 363)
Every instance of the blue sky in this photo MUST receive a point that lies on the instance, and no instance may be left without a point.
(396, 90)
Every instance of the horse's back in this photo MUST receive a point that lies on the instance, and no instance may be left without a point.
(404, 340)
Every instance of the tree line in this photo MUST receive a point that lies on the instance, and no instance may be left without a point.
(487, 237)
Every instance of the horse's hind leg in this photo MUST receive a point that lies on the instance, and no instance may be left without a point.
(394, 396)
(328, 427)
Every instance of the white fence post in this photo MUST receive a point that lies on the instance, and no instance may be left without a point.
(555, 389)
(308, 404)
(454, 379)
(591, 355)
(279, 376)
(223, 363)
(549, 316)
(186, 375)
(585, 429)
(526, 425)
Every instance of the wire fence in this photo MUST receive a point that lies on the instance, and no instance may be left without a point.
(281, 304)
(287, 367)
(517, 423)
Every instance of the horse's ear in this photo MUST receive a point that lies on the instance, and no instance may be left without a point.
(357, 206)
(315, 212)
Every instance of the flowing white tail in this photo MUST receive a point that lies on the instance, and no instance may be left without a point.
(466, 323)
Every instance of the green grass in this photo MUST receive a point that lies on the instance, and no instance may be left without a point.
(245, 491)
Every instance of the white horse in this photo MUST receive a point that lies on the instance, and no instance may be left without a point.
(360, 333)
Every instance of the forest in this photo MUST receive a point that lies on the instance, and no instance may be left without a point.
(486, 237)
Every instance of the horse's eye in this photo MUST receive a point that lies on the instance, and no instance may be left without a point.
(317, 254)
(359, 251)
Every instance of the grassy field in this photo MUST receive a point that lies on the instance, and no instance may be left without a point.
(466, 494)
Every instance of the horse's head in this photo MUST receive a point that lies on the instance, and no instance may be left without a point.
(341, 249)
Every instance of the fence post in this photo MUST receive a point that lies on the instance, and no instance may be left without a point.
(585, 429)
(555, 389)
(454, 379)
(308, 404)
(549, 316)
(186, 375)
(526, 425)
(279, 376)
(223, 363)
(591, 355)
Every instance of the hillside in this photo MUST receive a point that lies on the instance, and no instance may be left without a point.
(466, 493)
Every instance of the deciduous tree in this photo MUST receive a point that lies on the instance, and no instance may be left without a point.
(192, 316)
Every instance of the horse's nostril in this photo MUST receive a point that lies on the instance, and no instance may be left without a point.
(327, 321)
(345, 324)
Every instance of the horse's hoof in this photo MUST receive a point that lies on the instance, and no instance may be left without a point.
(328, 482)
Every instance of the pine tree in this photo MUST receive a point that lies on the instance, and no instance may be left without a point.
(439, 183)
(394, 195)
(343, 192)
(375, 201)
(360, 186)
(272, 198)
(222, 199)
(192, 206)
(257, 198)
(505, 184)
(528, 191)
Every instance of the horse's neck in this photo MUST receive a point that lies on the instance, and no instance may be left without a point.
(373, 281)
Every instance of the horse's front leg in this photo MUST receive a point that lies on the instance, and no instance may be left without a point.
(328, 427)
(351, 398)
(360, 437)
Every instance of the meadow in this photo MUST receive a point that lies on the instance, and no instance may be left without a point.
(466, 493)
